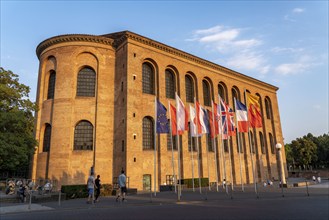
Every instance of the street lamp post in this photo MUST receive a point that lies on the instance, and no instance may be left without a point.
(282, 175)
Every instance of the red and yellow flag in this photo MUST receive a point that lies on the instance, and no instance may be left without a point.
(254, 115)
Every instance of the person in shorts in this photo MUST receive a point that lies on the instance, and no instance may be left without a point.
(90, 186)
(122, 185)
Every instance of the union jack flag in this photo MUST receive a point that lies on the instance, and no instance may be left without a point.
(228, 126)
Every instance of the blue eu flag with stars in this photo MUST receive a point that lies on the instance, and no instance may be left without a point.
(162, 121)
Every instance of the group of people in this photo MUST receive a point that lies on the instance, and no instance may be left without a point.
(93, 183)
(318, 180)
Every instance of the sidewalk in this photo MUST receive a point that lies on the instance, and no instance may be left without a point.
(147, 199)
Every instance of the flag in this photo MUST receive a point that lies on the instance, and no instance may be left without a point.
(254, 115)
(193, 122)
(202, 119)
(227, 119)
(182, 115)
(197, 109)
(211, 124)
(162, 121)
(241, 116)
(216, 118)
(173, 120)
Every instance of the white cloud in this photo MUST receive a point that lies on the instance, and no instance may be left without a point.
(291, 68)
(240, 52)
(227, 35)
(298, 10)
(289, 17)
(286, 49)
(302, 63)
(249, 61)
(212, 30)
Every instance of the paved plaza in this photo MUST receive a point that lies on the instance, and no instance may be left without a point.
(270, 203)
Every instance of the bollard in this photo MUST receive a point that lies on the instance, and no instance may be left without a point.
(307, 189)
(59, 198)
(30, 200)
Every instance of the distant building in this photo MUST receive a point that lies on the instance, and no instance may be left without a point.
(96, 108)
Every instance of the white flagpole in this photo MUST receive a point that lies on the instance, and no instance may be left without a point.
(239, 146)
(213, 141)
(192, 161)
(155, 146)
(178, 151)
(172, 150)
(197, 145)
(208, 163)
(229, 146)
(223, 153)
(251, 150)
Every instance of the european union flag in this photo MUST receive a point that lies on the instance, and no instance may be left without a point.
(162, 121)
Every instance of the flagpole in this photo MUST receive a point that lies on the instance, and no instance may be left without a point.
(197, 145)
(223, 153)
(239, 146)
(251, 149)
(178, 151)
(208, 164)
(213, 141)
(155, 146)
(172, 149)
(229, 145)
(192, 161)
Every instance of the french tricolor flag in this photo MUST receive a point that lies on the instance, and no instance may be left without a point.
(241, 116)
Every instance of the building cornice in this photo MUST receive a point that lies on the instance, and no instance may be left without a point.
(72, 38)
(122, 36)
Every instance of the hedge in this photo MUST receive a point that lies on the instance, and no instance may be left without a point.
(188, 182)
(81, 191)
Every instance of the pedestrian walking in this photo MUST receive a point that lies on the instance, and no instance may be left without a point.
(98, 188)
(122, 186)
(90, 186)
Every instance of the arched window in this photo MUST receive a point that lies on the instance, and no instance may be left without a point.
(268, 108)
(272, 143)
(148, 133)
(170, 84)
(148, 79)
(262, 143)
(206, 93)
(225, 141)
(239, 140)
(174, 141)
(46, 138)
(222, 91)
(209, 143)
(236, 95)
(51, 85)
(189, 89)
(252, 140)
(86, 82)
(83, 136)
(194, 139)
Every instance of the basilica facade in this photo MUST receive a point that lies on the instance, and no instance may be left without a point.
(96, 98)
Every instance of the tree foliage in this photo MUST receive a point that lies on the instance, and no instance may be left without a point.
(308, 150)
(17, 141)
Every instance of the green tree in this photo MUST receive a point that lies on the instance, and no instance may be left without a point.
(304, 151)
(17, 142)
(289, 154)
(323, 150)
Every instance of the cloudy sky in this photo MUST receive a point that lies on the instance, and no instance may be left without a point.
(284, 43)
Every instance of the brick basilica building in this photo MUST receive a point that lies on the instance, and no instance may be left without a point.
(96, 109)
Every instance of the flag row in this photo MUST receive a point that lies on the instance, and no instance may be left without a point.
(203, 121)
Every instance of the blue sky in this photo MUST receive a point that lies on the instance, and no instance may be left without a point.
(284, 43)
